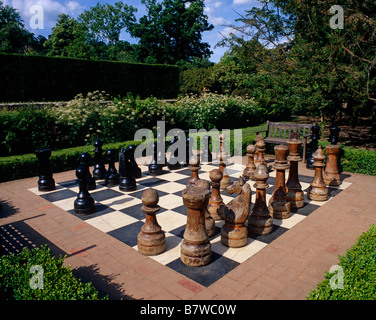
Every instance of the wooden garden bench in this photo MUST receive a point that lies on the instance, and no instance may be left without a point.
(280, 133)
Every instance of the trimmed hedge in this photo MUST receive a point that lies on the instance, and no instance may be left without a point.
(58, 281)
(359, 273)
(38, 78)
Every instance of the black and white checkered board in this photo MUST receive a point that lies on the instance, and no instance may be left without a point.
(119, 214)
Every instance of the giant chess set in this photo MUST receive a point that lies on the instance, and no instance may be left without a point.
(202, 219)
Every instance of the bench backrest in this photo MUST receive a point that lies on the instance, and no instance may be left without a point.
(284, 130)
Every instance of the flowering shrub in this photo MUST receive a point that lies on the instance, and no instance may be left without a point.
(85, 118)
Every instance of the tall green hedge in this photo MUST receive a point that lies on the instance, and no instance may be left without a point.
(37, 78)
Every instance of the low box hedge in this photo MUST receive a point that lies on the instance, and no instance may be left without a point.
(52, 281)
(358, 273)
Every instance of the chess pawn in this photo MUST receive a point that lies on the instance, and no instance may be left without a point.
(112, 177)
(226, 181)
(151, 240)
(127, 181)
(215, 201)
(279, 206)
(194, 166)
(250, 167)
(234, 233)
(135, 168)
(195, 248)
(155, 168)
(84, 203)
(99, 171)
(206, 155)
(260, 221)
(260, 150)
(295, 194)
(318, 190)
(46, 182)
(85, 159)
(209, 221)
(331, 173)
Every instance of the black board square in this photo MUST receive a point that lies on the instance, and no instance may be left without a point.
(59, 195)
(105, 194)
(205, 275)
(138, 194)
(127, 234)
(307, 209)
(268, 238)
(179, 232)
(152, 182)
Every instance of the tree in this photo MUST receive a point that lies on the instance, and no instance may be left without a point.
(69, 38)
(105, 21)
(309, 66)
(172, 31)
(14, 37)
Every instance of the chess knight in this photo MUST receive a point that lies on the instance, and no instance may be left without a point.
(234, 233)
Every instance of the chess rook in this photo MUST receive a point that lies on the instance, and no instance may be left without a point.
(112, 177)
(295, 194)
(279, 206)
(331, 173)
(215, 201)
(195, 248)
(151, 240)
(46, 181)
(250, 167)
(318, 190)
(99, 171)
(84, 203)
(127, 181)
(260, 221)
(209, 221)
(234, 233)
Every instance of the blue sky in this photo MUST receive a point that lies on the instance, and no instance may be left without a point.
(220, 13)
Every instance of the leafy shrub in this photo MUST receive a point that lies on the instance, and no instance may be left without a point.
(196, 80)
(359, 272)
(58, 281)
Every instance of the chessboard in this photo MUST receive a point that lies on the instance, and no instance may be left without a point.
(119, 214)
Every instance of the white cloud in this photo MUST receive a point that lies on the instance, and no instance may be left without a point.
(241, 1)
(51, 9)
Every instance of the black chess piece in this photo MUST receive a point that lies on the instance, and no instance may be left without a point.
(334, 133)
(173, 163)
(84, 204)
(188, 150)
(112, 177)
(99, 170)
(127, 181)
(315, 136)
(46, 181)
(136, 170)
(85, 160)
(155, 168)
(206, 155)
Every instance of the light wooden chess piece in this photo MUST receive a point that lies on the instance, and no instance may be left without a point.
(318, 190)
(331, 173)
(209, 221)
(195, 248)
(250, 167)
(151, 240)
(260, 221)
(223, 156)
(279, 206)
(234, 233)
(215, 201)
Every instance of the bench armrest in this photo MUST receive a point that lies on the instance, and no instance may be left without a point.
(257, 132)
